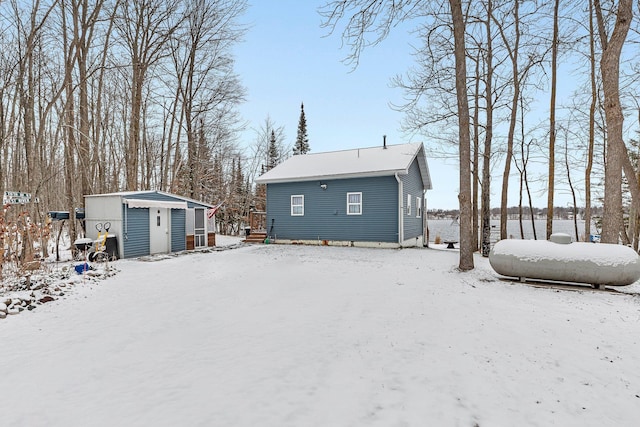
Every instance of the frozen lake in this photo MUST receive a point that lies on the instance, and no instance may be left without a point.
(449, 230)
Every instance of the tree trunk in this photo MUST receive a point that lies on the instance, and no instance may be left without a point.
(610, 68)
(552, 121)
(69, 132)
(133, 150)
(513, 118)
(464, 198)
(486, 155)
(476, 156)
(592, 125)
(83, 36)
(574, 207)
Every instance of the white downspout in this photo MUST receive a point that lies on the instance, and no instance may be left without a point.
(400, 211)
(126, 223)
(425, 220)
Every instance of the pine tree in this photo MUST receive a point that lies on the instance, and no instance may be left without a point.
(217, 186)
(302, 141)
(260, 195)
(239, 189)
(273, 155)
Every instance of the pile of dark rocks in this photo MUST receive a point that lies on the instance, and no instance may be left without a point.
(26, 292)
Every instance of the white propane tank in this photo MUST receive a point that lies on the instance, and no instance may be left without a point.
(560, 260)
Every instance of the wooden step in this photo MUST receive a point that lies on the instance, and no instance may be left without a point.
(256, 238)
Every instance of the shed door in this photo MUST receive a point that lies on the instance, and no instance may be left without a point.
(200, 239)
(159, 230)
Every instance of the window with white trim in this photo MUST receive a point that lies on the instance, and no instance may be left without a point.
(354, 203)
(418, 207)
(297, 205)
(408, 204)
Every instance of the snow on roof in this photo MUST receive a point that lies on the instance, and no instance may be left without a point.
(355, 163)
(129, 194)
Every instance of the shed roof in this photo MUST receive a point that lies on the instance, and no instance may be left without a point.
(141, 194)
(355, 163)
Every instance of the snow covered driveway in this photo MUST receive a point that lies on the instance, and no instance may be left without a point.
(321, 336)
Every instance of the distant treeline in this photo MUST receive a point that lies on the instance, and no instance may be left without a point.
(559, 212)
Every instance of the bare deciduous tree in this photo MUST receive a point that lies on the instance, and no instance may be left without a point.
(146, 28)
(552, 120)
(206, 83)
(466, 234)
(616, 150)
(592, 121)
(511, 33)
(485, 223)
(366, 18)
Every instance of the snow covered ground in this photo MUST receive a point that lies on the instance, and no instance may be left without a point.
(273, 335)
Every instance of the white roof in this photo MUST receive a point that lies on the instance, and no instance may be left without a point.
(130, 197)
(140, 203)
(356, 163)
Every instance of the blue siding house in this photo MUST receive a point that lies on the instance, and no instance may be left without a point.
(362, 197)
(150, 222)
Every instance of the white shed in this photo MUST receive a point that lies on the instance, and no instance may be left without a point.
(149, 222)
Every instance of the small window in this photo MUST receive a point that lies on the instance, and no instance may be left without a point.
(354, 203)
(408, 204)
(418, 207)
(297, 205)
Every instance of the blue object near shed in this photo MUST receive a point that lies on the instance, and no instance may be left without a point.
(82, 268)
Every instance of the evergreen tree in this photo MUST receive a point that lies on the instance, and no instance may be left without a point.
(260, 196)
(240, 191)
(217, 186)
(302, 140)
(273, 154)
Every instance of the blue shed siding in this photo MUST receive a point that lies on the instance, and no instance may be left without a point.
(178, 230)
(137, 243)
(325, 215)
(136, 232)
(136, 239)
(412, 185)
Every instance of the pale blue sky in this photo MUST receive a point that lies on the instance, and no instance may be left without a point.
(286, 58)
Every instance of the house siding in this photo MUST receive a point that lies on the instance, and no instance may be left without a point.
(325, 216)
(136, 232)
(412, 185)
(178, 230)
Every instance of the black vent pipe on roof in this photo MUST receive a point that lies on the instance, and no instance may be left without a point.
(384, 141)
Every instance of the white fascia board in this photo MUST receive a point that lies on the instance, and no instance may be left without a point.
(332, 177)
(141, 203)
